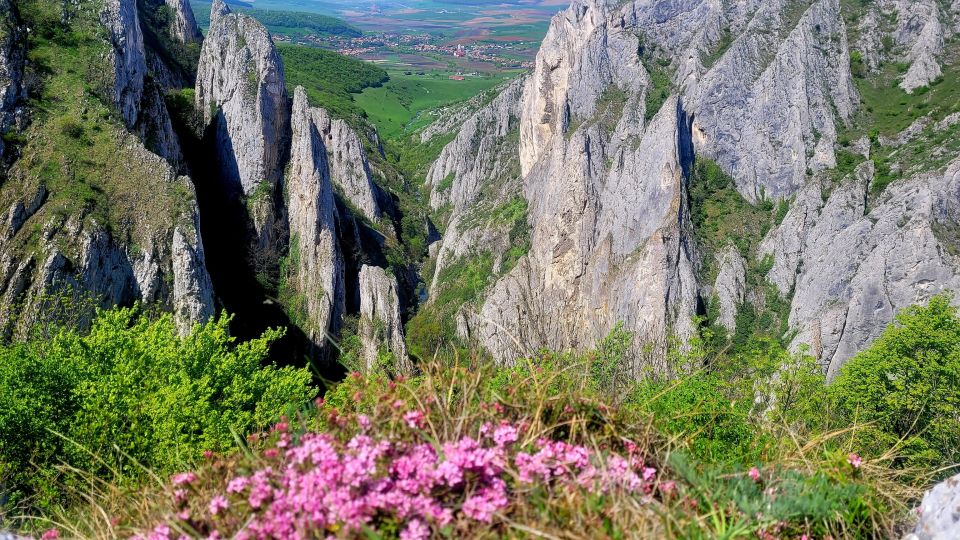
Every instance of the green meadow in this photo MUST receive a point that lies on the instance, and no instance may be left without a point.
(402, 104)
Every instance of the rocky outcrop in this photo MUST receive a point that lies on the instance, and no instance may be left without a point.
(127, 56)
(919, 29)
(850, 268)
(75, 255)
(606, 246)
(768, 110)
(381, 330)
(730, 287)
(184, 26)
(192, 298)
(761, 88)
(240, 89)
(317, 283)
(349, 169)
(12, 58)
(939, 518)
(476, 174)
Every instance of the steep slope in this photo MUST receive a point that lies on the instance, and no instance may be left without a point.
(660, 142)
(93, 214)
(241, 93)
(297, 211)
(315, 290)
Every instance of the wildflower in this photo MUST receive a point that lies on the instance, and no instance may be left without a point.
(415, 530)
(207, 454)
(50, 534)
(668, 487)
(238, 484)
(160, 532)
(855, 460)
(271, 453)
(397, 403)
(414, 419)
(184, 478)
(363, 421)
(754, 474)
(649, 473)
(218, 504)
(505, 434)
(184, 515)
(180, 495)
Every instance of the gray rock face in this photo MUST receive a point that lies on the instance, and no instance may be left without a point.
(939, 518)
(12, 57)
(851, 268)
(731, 286)
(78, 257)
(477, 173)
(606, 246)
(184, 27)
(920, 30)
(380, 326)
(605, 179)
(318, 273)
(349, 169)
(240, 87)
(128, 56)
(767, 111)
(192, 289)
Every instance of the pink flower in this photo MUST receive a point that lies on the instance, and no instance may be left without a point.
(184, 515)
(160, 532)
(363, 421)
(415, 530)
(855, 460)
(754, 474)
(50, 534)
(668, 487)
(238, 484)
(218, 504)
(505, 434)
(414, 419)
(207, 454)
(184, 478)
(649, 473)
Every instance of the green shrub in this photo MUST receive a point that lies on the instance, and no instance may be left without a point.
(906, 386)
(132, 393)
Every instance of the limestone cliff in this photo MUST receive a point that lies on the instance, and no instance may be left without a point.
(93, 214)
(349, 168)
(380, 329)
(624, 99)
(12, 58)
(241, 92)
(315, 288)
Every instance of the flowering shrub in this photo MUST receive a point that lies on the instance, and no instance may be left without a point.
(318, 483)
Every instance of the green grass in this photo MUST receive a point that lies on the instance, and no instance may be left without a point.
(722, 217)
(329, 78)
(401, 106)
(76, 144)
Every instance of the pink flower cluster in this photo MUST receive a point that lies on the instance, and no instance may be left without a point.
(324, 485)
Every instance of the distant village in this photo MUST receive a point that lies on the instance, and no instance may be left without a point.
(500, 54)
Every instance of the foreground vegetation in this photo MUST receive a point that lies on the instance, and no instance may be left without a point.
(130, 429)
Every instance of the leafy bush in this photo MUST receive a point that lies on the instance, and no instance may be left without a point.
(906, 386)
(132, 393)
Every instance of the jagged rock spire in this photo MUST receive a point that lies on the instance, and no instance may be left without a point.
(218, 9)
